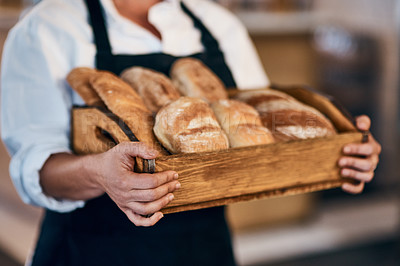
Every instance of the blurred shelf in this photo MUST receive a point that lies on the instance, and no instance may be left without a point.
(261, 22)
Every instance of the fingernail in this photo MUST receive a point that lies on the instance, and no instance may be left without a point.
(176, 175)
(171, 197)
(178, 185)
(346, 186)
(161, 215)
(347, 149)
(345, 172)
(362, 125)
(153, 153)
(342, 162)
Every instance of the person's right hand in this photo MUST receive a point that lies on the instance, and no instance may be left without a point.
(137, 195)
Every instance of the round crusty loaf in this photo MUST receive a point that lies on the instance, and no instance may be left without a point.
(286, 117)
(155, 88)
(189, 125)
(242, 123)
(79, 80)
(192, 78)
(127, 105)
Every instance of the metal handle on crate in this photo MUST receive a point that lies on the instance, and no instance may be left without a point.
(149, 166)
(365, 135)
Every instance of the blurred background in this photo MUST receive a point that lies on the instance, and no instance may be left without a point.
(345, 48)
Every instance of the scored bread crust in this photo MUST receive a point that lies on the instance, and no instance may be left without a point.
(242, 123)
(194, 79)
(286, 117)
(189, 125)
(155, 88)
(79, 80)
(127, 105)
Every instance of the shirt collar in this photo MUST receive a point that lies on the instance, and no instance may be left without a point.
(112, 12)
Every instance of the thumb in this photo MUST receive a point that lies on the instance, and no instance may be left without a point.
(138, 149)
(363, 122)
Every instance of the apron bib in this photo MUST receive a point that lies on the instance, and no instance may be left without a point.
(100, 233)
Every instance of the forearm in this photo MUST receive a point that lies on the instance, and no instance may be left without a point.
(68, 176)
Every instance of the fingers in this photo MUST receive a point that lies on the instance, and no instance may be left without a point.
(146, 195)
(363, 122)
(362, 164)
(363, 149)
(146, 208)
(149, 181)
(361, 176)
(139, 220)
(137, 149)
(353, 189)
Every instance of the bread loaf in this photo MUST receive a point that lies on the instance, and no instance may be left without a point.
(124, 102)
(189, 125)
(192, 78)
(79, 80)
(155, 88)
(241, 123)
(286, 117)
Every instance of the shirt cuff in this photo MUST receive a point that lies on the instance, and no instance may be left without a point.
(26, 168)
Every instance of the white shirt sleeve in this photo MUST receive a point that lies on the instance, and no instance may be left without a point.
(35, 108)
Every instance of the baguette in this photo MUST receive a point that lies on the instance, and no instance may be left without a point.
(79, 80)
(124, 102)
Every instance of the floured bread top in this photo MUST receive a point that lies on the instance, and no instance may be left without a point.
(189, 125)
(242, 123)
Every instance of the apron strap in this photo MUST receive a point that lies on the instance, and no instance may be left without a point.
(207, 39)
(98, 23)
(102, 41)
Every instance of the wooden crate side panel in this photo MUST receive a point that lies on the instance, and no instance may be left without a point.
(243, 171)
(300, 189)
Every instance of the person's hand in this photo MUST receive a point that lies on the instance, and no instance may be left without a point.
(137, 195)
(360, 159)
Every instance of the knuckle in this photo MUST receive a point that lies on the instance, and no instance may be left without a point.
(152, 181)
(165, 201)
(125, 196)
(151, 195)
(139, 209)
(123, 183)
(350, 161)
(370, 165)
(369, 149)
(379, 148)
(370, 176)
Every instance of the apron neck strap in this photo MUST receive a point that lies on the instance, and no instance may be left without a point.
(96, 17)
(209, 42)
(98, 23)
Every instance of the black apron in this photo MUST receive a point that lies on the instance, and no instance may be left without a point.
(100, 233)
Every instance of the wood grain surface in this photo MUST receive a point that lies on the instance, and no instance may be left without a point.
(218, 178)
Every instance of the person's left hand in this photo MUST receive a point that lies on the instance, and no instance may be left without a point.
(360, 159)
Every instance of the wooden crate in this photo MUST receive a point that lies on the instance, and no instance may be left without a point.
(237, 174)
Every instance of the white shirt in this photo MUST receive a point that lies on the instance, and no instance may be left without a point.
(55, 37)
